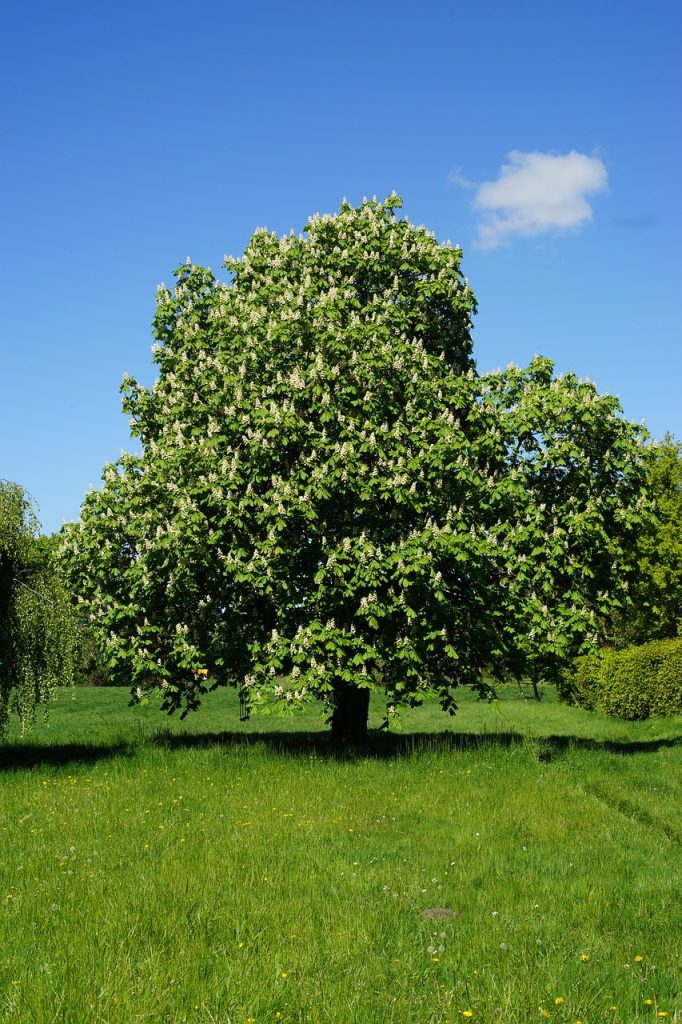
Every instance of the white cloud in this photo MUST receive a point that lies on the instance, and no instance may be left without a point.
(456, 177)
(536, 193)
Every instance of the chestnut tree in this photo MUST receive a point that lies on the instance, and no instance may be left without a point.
(329, 498)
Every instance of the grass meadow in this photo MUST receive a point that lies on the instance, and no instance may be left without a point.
(153, 870)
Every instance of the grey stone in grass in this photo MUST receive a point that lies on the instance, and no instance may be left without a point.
(436, 913)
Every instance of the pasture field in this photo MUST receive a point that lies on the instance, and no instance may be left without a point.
(225, 873)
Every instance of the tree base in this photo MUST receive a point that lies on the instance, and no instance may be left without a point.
(350, 715)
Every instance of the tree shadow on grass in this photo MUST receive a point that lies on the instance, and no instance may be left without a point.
(385, 746)
(20, 755)
(379, 746)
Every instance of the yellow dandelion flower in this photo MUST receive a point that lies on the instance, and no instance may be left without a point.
(559, 1000)
(613, 1007)
(545, 1013)
(648, 1002)
(638, 959)
(467, 1013)
(584, 957)
(662, 1013)
(435, 959)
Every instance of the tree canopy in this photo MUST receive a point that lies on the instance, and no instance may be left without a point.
(38, 626)
(329, 498)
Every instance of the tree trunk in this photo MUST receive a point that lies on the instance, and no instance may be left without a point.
(350, 714)
(534, 677)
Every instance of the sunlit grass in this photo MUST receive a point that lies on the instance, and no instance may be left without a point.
(214, 871)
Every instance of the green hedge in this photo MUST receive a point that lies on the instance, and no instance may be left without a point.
(634, 683)
(579, 684)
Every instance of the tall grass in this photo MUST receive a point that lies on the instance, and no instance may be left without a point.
(213, 871)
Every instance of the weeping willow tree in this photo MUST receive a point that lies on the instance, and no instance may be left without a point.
(38, 625)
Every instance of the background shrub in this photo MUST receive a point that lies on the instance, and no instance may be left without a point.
(578, 685)
(667, 698)
(622, 690)
(634, 683)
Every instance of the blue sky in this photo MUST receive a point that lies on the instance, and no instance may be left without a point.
(542, 137)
